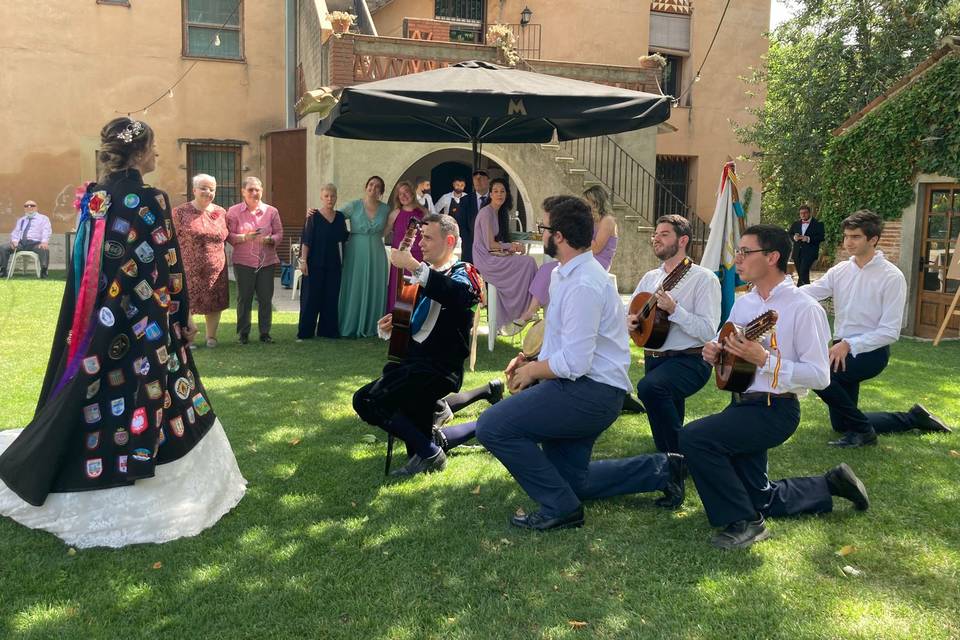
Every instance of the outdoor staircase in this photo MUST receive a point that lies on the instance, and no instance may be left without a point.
(638, 197)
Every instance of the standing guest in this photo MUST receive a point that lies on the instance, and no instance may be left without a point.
(124, 447)
(255, 230)
(404, 209)
(869, 293)
(544, 433)
(402, 400)
(424, 199)
(807, 234)
(450, 203)
(469, 210)
(201, 228)
(502, 263)
(363, 289)
(676, 370)
(321, 246)
(604, 247)
(30, 233)
(727, 452)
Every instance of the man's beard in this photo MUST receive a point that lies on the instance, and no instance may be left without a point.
(550, 247)
(425, 192)
(667, 251)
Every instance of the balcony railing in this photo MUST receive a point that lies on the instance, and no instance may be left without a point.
(466, 11)
(528, 40)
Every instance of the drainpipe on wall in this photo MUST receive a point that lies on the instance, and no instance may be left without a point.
(290, 64)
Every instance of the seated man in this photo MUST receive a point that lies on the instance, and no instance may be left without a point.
(402, 400)
(544, 433)
(869, 293)
(31, 233)
(727, 452)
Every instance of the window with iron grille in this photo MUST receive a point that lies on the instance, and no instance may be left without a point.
(673, 182)
(213, 29)
(459, 10)
(222, 161)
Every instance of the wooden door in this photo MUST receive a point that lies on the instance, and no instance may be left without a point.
(285, 183)
(940, 227)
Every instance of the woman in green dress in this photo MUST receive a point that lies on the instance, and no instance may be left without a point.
(363, 290)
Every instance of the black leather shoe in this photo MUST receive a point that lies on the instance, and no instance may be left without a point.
(926, 421)
(854, 439)
(416, 464)
(265, 338)
(844, 483)
(632, 405)
(496, 391)
(674, 492)
(741, 534)
(539, 522)
(244, 338)
(440, 439)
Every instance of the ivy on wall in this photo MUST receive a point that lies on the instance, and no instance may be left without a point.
(874, 164)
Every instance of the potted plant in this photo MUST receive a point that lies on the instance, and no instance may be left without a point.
(501, 37)
(341, 21)
(652, 61)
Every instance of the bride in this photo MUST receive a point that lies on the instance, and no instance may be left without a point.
(124, 446)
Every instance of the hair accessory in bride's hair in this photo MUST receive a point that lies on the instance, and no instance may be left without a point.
(130, 131)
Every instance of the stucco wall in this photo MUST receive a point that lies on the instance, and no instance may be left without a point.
(84, 63)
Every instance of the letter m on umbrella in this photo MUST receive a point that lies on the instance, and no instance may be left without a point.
(516, 108)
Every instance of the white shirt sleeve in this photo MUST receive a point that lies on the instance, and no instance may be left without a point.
(578, 339)
(822, 288)
(894, 297)
(811, 368)
(701, 323)
(46, 229)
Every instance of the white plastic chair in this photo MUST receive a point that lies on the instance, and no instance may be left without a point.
(491, 316)
(24, 254)
(297, 274)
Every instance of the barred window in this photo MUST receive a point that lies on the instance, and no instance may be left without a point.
(213, 29)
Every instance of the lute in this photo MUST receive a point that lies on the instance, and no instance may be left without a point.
(654, 324)
(733, 373)
(405, 302)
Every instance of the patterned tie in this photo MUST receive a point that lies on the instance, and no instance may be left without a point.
(26, 230)
(484, 200)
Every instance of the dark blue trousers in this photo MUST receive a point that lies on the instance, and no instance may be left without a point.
(623, 476)
(843, 393)
(544, 436)
(727, 457)
(667, 383)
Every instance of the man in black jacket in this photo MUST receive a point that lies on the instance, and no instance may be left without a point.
(402, 400)
(469, 208)
(807, 234)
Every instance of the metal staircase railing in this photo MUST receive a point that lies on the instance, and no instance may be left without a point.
(632, 185)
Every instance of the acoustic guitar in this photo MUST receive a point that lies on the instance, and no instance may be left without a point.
(733, 373)
(405, 302)
(654, 325)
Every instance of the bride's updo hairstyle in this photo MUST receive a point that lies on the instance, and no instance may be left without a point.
(122, 140)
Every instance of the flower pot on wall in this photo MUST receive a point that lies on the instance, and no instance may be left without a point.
(340, 25)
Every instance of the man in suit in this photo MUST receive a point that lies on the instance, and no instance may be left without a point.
(807, 234)
(466, 216)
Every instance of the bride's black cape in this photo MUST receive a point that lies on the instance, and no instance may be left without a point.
(131, 397)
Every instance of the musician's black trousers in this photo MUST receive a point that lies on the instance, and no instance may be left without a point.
(663, 390)
(843, 394)
(405, 395)
(727, 457)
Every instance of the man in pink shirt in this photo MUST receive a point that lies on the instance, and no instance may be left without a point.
(254, 232)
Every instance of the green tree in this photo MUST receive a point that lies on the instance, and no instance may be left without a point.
(825, 64)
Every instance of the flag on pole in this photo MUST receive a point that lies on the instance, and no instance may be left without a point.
(728, 222)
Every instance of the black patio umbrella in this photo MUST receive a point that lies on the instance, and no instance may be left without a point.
(481, 102)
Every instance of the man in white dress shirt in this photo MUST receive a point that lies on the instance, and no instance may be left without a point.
(869, 293)
(544, 433)
(449, 203)
(727, 452)
(30, 233)
(424, 199)
(675, 371)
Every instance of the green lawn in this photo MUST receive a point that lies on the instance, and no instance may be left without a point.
(322, 547)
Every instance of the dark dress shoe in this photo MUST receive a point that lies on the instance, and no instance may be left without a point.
(416, 464)
(266, 339)
(440, 439)
(854, 439)
(926, 421)
(539, 522)
(674, 492)
(741, 534)
(843, 482)
(244, 338)
(496, 391)
(632, 405)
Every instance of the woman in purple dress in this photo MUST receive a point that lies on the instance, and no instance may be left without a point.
(604, 247)
(502, 263)
(404, 208)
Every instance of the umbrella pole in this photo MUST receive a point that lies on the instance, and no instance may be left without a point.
(476, 154)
